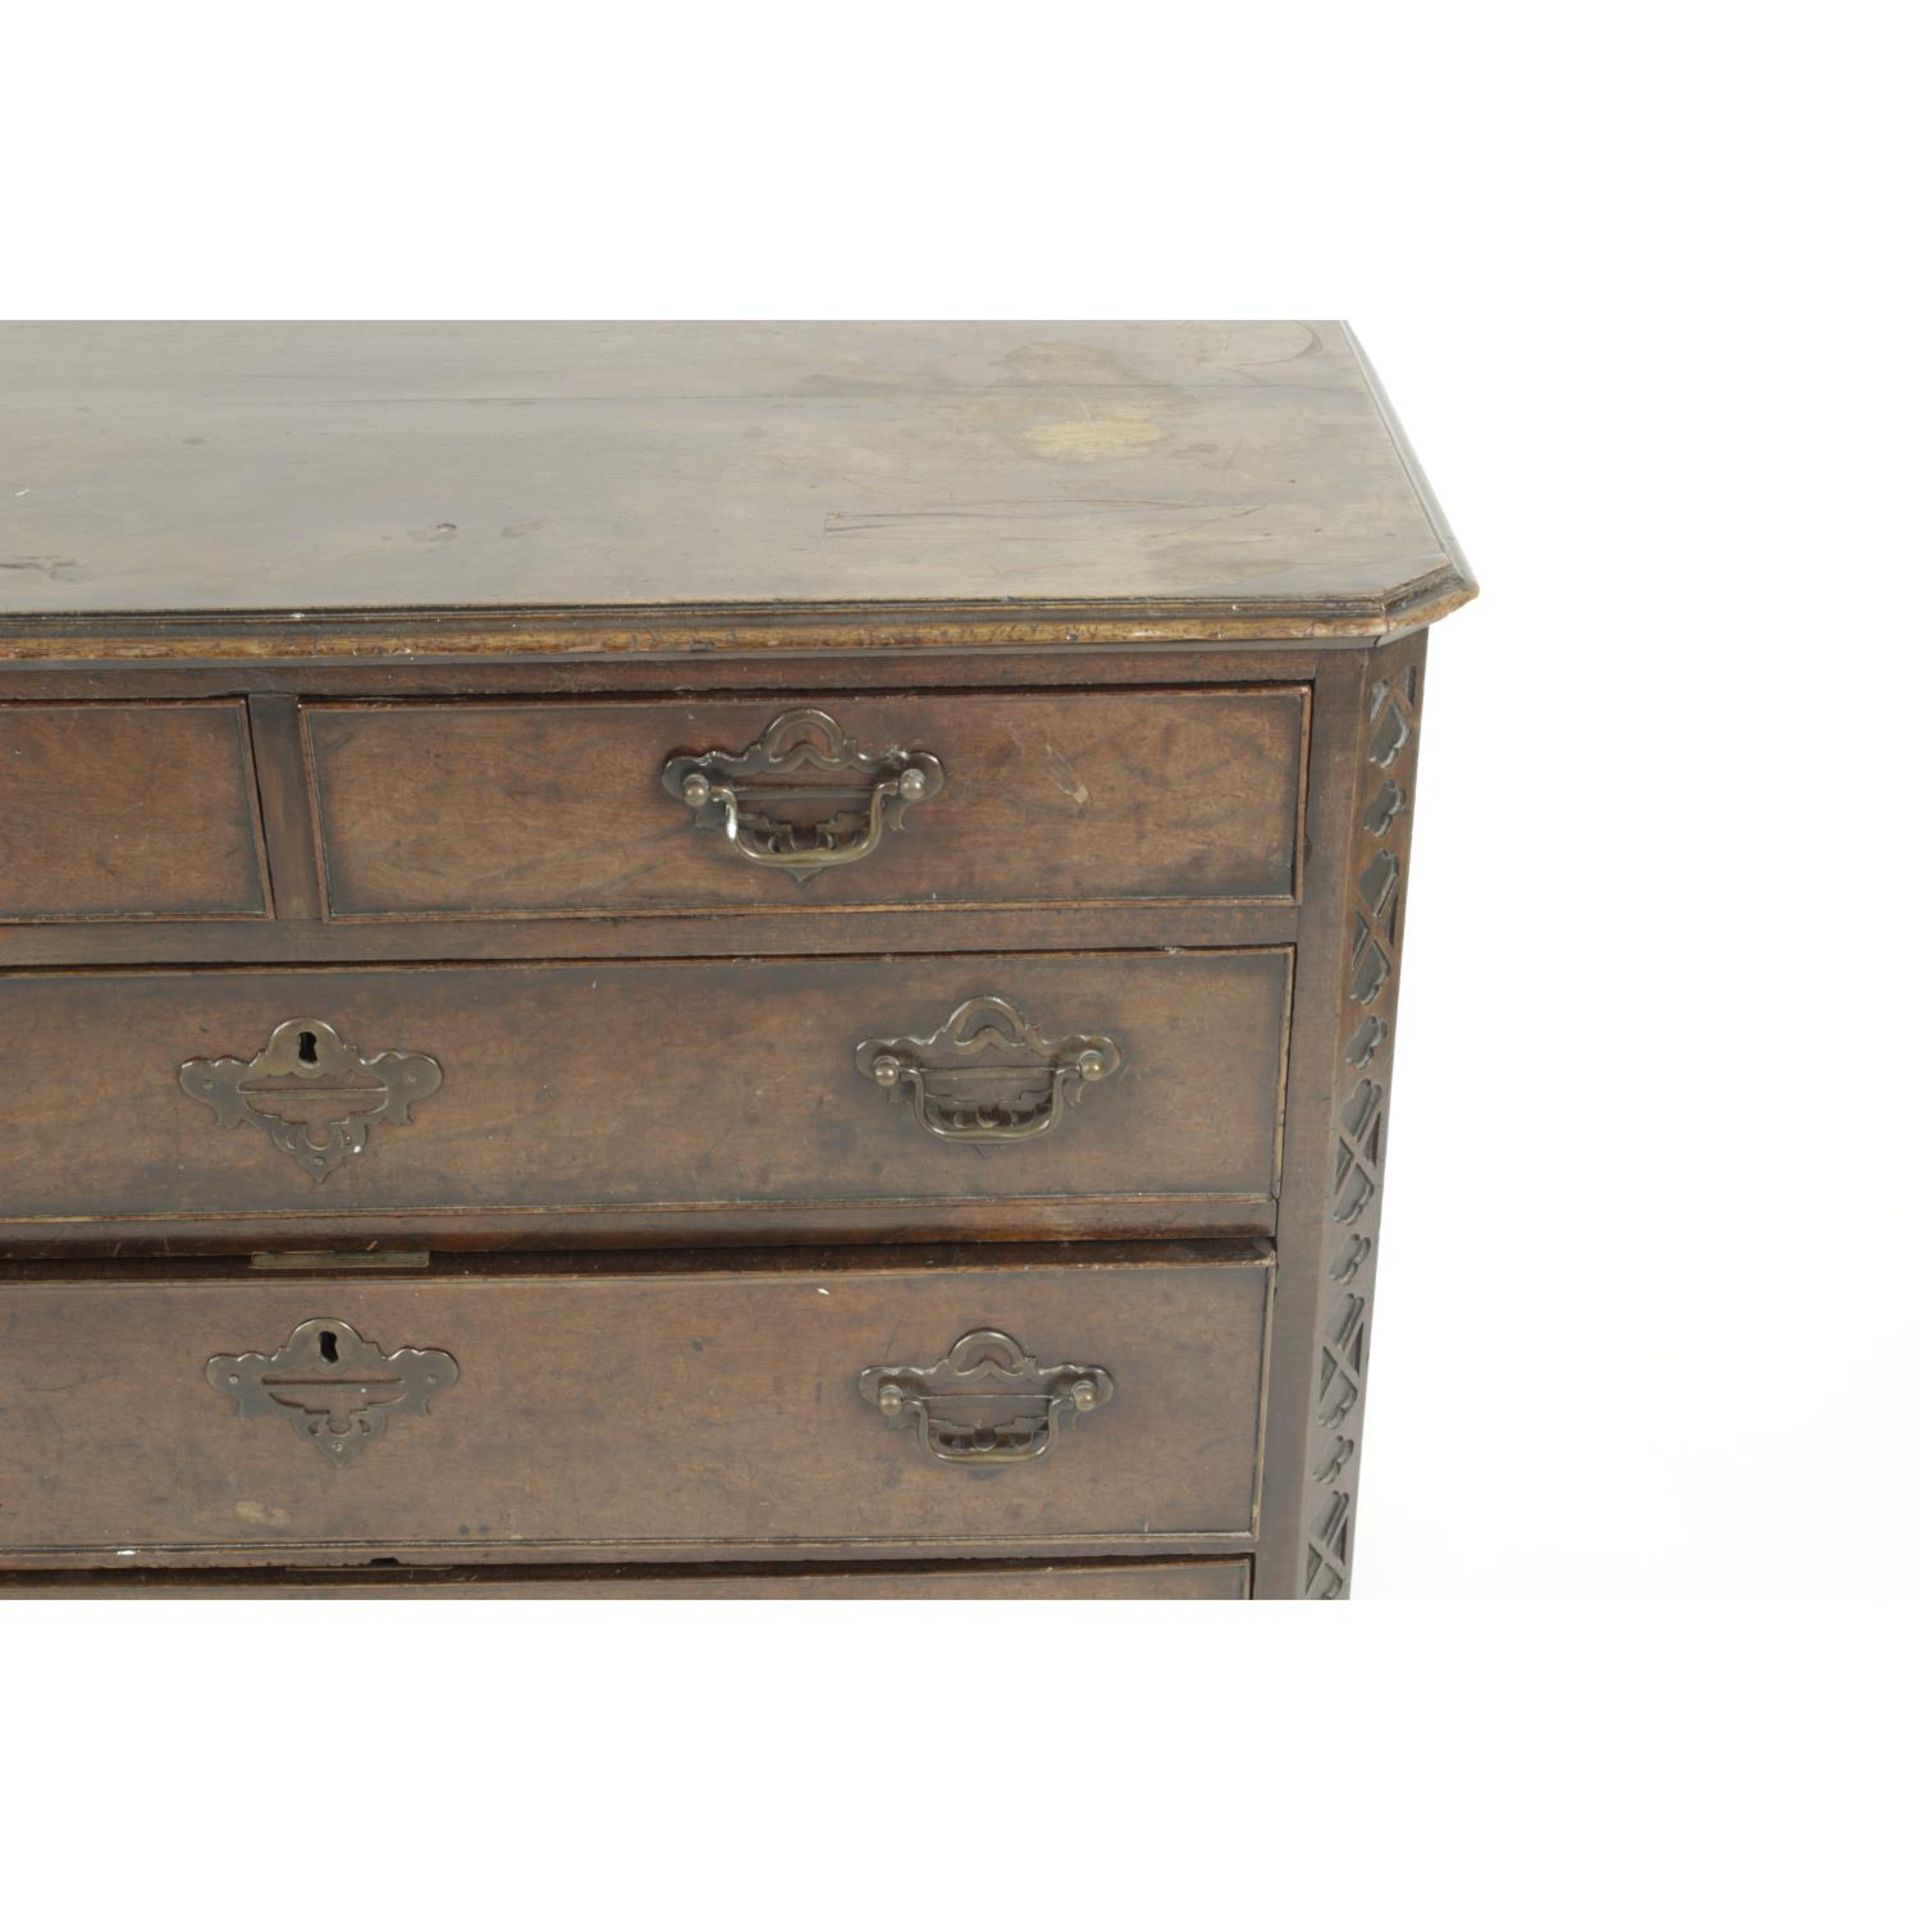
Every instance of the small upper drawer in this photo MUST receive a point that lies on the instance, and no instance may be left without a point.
(129, 812)
(573, 807)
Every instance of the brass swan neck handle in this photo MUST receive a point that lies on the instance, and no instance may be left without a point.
(803, 797)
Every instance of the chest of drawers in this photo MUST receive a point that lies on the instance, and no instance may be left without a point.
(665, 959)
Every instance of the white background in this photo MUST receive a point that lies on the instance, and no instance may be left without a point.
(1638, 1551)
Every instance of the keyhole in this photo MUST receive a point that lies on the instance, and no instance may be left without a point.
(309, 1050)
(330, 1347)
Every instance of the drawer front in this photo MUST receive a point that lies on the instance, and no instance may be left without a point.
(567, 807)
(129, 812)
(436, 1091)
(1051, 1402)
(1135, 1580)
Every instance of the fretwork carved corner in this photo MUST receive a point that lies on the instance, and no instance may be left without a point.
(1375, 878)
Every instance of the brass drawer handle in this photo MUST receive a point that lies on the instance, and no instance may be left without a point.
(988, 1078)
(311, 1093)
(839, 820)
(989, 1403)
(335, 1388)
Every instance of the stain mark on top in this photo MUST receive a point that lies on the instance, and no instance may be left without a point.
(1114, 436)
(436, 535)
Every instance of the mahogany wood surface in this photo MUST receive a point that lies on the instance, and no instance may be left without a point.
(128, 812)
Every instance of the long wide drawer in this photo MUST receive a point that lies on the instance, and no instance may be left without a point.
(768, 1401)
(620, 806)
(430, 1095)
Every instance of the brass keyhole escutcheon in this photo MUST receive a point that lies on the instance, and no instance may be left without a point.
(313, 1094)
(334, 1387)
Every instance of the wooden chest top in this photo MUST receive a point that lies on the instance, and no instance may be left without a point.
(652, 486)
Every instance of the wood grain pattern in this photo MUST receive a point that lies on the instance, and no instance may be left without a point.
(122, 812)
(599, 1408)
(510, 809)
(627, 1085)
(748, 471)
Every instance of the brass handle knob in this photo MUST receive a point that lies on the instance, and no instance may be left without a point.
(803, 797)
(988, 1403)
(988, 1077)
